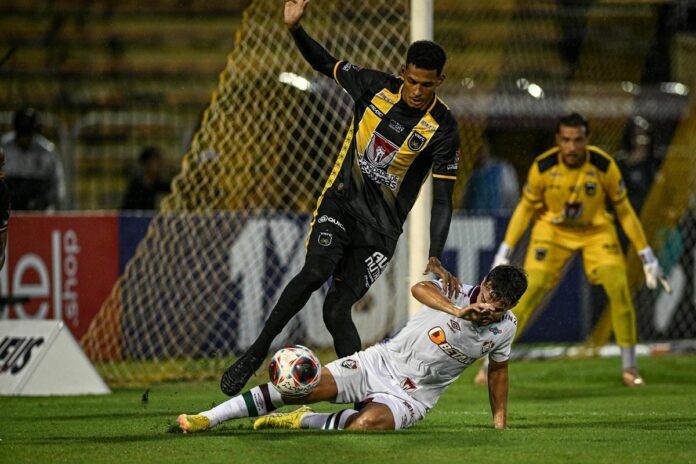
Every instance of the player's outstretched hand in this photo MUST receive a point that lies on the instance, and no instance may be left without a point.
(449, 282)
(294, 9)
(653, 271)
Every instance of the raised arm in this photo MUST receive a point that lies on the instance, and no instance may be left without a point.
(532, 197)
(498, 392)
(430, 295)
(316, 55)
(440, 218)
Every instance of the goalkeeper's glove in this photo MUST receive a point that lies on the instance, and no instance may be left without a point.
(652, 269)
(502, 256)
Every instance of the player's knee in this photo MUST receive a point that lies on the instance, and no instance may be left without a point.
(315, 272)
(614, 281)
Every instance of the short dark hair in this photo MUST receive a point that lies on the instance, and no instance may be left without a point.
(573, 120)
(507, 284)
(26, 121)
(426, 54)
(149, 153)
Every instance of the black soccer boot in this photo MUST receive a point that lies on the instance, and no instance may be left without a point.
(239, 373)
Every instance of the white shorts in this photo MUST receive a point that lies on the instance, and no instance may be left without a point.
(366, 376)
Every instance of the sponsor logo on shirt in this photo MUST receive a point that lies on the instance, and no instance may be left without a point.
(386, 97)
(374, 265)
(396, 126)
(411, 413)
(611, 248)
(437, 336)
(376, 110)
(379, 154)
(349, 364)
(454, 166)
(427, 125)
(495, 330)
(454, 325)
(487, 346)
(333, 221)
(348, 66)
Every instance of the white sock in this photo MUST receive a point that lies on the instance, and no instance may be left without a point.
(628, 357)
(256, 402)
(331, 421)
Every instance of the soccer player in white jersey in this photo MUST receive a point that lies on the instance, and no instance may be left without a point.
(400, 379)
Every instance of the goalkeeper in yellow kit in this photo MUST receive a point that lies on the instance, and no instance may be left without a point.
(566, 192)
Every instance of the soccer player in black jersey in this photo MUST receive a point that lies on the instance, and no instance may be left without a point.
(400, 130)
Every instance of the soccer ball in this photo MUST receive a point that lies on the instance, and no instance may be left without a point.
(294, 370)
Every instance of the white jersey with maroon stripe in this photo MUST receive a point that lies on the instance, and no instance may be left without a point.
(434, 347)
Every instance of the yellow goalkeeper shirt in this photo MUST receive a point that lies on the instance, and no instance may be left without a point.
(574, 197)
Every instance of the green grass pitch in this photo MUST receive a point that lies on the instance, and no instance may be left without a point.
(559, 411)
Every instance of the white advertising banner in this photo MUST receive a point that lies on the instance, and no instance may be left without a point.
(41, 358)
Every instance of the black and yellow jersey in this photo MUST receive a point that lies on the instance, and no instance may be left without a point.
(389, 150)
(574, 197)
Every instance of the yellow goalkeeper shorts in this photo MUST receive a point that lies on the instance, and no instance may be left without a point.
(551, 247)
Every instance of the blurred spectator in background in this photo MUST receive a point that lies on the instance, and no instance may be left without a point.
(492, 185)
(146, 187)
(637, 160)
(33, 169)
(4, 209)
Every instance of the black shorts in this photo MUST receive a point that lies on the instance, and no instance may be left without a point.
(358, 252)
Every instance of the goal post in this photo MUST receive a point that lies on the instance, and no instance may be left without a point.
(419, 218)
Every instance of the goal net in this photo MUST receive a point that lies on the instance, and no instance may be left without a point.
(232, 232)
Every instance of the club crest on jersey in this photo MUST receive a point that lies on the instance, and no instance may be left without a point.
(590, 189)
(495, 330)
(416, 141)
(349, 364)
(325, 238)
(437, 336)
(487, 346)
(540, 254)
